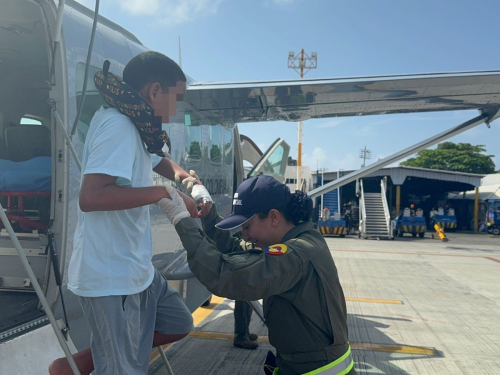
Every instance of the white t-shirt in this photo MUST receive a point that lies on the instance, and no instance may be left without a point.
(112, 250)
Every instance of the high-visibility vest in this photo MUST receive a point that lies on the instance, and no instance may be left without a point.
(340, 366)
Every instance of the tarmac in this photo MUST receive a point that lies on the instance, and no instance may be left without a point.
(416, 306)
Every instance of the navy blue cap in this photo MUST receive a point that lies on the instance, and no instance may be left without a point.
(257, 194)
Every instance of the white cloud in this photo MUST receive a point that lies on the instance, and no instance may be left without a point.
(382, 122)
(346, 162)
(365, 131)
(331, 123)
(170, 12)
(319, 157)
(141, 7)
(311, 160)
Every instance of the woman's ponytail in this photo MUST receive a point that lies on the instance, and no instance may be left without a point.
(299, 209)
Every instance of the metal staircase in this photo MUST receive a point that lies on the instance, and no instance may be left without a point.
(374, 214)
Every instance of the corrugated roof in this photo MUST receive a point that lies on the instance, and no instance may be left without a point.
(399, 174)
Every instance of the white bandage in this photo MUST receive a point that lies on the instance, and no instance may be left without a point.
(174, 207)
(200, 192)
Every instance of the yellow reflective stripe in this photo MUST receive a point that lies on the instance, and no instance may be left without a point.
(327, 367)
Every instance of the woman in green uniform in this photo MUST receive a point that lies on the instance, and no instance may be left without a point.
(281, 259)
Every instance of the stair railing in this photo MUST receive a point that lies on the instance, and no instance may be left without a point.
(362, 209)
(383, 188)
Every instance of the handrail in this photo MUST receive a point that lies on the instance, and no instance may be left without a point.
(38, 290)
(383, 188)
(362, 220)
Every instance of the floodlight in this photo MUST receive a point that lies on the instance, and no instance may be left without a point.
(291, 54)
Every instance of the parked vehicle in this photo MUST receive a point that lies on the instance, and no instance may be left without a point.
(406, 223)
(493, 227)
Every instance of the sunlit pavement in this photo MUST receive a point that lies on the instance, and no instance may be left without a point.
(416, 306)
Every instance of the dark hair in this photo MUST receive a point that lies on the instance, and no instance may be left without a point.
(149, 67)
(297, 211)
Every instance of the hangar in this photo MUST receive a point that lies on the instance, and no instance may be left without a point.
(426, 188)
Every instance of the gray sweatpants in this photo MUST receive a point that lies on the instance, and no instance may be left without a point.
(122, 327)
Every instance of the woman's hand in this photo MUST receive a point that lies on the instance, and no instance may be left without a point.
(190, 205)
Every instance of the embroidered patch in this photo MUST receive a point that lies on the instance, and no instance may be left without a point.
(278, 249)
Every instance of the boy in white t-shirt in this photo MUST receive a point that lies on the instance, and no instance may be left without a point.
(129, 306)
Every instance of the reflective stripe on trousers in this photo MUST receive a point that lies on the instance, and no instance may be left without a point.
(340, 366)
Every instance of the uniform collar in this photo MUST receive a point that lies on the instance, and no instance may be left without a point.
(298, 229)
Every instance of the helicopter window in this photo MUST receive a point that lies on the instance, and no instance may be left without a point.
(193, 142)
(30, 121)
(215, 143)
(93, 100)
(228, 146)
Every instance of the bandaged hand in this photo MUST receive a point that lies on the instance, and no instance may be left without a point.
(187, 184)
(174, 207)
(201, 195)
(203, 199)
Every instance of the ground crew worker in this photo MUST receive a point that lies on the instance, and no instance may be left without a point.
(326, 214)
(432, 218)
(412, 209)
(291, 269)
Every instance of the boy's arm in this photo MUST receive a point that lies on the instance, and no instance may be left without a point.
(168, 168)
(100, 193)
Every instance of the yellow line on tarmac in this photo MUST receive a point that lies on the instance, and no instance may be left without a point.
(199, 315)
(374, 300)
(219, 336)
(411, 253)
(403, 349)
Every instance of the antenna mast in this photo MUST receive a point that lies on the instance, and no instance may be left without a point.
(180, 54)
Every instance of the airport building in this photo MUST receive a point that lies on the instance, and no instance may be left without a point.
(425, 188)
(308, 183)
(488, 195)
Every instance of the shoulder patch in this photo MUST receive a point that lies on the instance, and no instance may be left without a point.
(278, 249)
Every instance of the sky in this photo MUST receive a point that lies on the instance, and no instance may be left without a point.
(241, 40)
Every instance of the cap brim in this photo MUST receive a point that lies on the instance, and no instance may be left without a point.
(233, 222)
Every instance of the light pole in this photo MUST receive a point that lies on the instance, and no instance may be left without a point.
(338, 192)
(323, 170)
(365, 154)
(301, 63)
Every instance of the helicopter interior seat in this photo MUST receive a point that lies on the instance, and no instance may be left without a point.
(25, 142)
(26, 175)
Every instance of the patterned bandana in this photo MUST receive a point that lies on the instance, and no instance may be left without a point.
(121, 96)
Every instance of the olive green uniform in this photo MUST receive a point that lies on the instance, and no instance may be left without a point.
(304, 305)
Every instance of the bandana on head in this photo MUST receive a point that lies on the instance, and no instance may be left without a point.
(127, 100)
